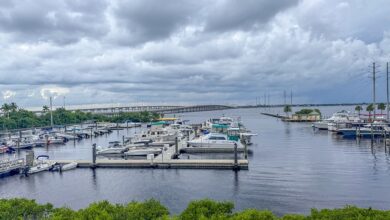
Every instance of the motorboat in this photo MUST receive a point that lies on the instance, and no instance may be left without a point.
(368, 130)
(142, 151)
(339, 120)
(111, 149)
(23, 144)
(55, 140)
(158, 134)
(213, 140)
(3, 149)
(40, 165)
(69, 166)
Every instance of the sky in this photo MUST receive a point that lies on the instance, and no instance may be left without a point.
(192, 52)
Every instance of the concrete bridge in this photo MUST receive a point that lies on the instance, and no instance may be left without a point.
(168, 109)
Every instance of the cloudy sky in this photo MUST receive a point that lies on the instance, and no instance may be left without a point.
(179, 52)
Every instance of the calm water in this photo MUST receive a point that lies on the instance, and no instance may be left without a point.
(292, 169)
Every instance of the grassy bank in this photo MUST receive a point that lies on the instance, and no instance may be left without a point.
(15, 118)
(152, 209)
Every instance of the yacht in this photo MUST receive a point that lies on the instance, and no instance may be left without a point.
(374, 129)
(213, 140)
(339, 120)
(158, 135)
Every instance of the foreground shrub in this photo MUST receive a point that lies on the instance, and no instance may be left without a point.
(207, 209)
(152, 209)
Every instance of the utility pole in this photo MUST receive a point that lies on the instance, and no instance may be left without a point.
(387, 90)
(51, 112)
(373, 87)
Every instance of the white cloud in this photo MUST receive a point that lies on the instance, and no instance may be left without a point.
(53, 91)
(8, 94)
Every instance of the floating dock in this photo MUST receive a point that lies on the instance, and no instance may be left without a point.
(274, 115)
(169, 164)
(210, 150)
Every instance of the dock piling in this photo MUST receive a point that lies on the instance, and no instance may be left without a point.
(245, 150)
(94, 155)
(176, 146)
(235, 167)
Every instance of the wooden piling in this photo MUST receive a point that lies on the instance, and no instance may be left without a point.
(235, 167)
(93, 155)
(176, 146)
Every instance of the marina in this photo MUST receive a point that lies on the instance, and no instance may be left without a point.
(166, 138)
(288, 162)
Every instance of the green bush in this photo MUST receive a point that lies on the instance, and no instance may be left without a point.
(152, 209)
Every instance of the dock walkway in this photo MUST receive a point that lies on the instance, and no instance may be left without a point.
(174, 164)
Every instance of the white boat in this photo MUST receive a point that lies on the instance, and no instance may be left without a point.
(56, 140)
(113, 149)
(339, 120)
(213, 140)
(40, 166)
(142, 151)
(69, 166)
(24, 144)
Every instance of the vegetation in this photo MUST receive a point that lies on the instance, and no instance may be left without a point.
(287, 109)
(381, 107)
(152, 209)
(358, 108)
(370, 108)
(306, 111)
(14, 117)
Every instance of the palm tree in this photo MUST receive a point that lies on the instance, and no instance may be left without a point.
(381, 106)
(13, 107)
(45, 108)
(370, 108)
(6, 108)
(287, 109)
(358, 108)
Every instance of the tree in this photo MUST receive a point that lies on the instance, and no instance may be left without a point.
(287, 109)
(381, 106)
(45, 108)
(13, 107)
(6, 108)
(358, 108)
(370, 108)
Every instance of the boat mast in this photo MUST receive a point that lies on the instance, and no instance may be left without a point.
(387, 88)
(373, 88)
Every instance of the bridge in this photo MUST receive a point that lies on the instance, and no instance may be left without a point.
(166, 109)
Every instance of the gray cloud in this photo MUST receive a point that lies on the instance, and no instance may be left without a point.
(228, 15)
(140, 21)
(195, 51)
(62, 22)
